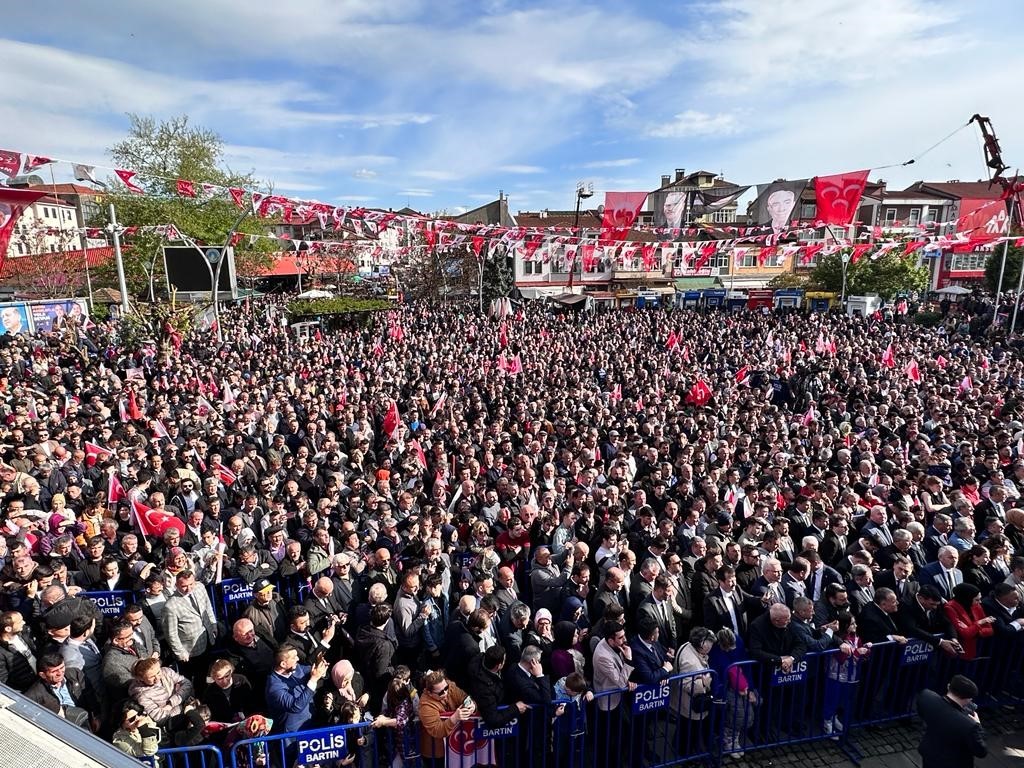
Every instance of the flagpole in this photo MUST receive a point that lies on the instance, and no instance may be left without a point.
(119, 261)
(1002, 267)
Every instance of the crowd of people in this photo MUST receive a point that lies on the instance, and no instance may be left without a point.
(432, 534)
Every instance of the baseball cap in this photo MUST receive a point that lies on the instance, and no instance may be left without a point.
(262, 584)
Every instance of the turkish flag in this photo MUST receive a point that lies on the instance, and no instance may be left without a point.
(10, 163)
(237, 196)
(620, 212)
(672, 340)
(417, 451)
(94, 453)
(859, 251)
(532, 244)
(478, 244)
(13, 203)
(391, 420)
(127, 177)
(33, 162)
(515, 365)
(186, 188)
(153, 522)
(134, 412)
(838, 197)
(941, 362)
(699, 394)
(742, 373)
(503, 336)
(225, 475)
(115, 491)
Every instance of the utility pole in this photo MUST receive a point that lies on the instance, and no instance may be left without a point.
(583, 191)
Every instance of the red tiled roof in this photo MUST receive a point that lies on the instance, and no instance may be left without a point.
(286, 265)
(67, 189)
(14, 266)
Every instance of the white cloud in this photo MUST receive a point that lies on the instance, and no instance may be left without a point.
(694, 123)
(364, 173)
(622, 162)
(354, 198)
(294, 186)
(415, 193)
(514, 168)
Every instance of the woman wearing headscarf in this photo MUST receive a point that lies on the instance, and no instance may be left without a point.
(565, 658)
(541, 635)
(968, 618)
(346, 685)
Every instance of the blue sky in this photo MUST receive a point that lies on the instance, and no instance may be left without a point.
(438, 105)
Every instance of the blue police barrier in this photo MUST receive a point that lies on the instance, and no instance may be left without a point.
(891, 677)
(204, 756)
(112, 604)
(323, 746)
(230, 599)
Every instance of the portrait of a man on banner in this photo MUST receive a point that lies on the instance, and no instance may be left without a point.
(776, 203)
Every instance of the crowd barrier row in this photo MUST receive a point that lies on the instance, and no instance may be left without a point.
(701, 717)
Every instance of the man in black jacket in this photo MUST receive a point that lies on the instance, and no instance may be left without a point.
(953, 735)
(485, 685)
(63, 691)
(773, 642)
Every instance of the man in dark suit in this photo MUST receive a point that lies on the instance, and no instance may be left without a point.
(834, 601)
(658, 607)
(953, 736)
(877, 620)
(900, 578)
(833, 546)
(794, 583)
(936, 536)
(922, 618)
(773, 642)
(650, 660)
(860, 588)
(819, 576)
(1003, 604)
(727, 605)
(943, 573)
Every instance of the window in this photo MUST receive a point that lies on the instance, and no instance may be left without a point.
(21, 249)
(963, 262)
(890, 216)
(750, 257)
(720, 260)
(808, 211)
(725, 216)
(932, 214)
(915, 217)
(532, 267)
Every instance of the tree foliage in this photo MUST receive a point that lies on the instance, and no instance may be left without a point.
(499, 279)
(788, 280)
(161, 152)
(886, 276)
(336, 306)
(1014, 257)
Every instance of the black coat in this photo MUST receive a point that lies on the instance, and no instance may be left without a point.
(874, 625)
(41, 694)
(460, 647)
(952, 739)
(768, 644)
(15, 670)
(240, 698)
(488, 691)
(913, 621)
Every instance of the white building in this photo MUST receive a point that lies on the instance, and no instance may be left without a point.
(47, 226)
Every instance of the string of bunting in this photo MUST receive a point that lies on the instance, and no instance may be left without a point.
(589, 245)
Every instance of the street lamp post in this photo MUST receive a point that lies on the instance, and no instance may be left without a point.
(845, 256)
(583, 191)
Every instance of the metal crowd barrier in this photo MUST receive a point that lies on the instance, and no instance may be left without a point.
(700, 717)
(203, 756)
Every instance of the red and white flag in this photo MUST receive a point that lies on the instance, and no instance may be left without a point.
(966, 385)
(392, 421)
(889, 358)
(437, 406)
(34, 162)
(913, 371)
(154, 522)
(10, 163)
(13, 203)
(94, 453)
(620, 212)
(742, 373)
(672, 341)
(503, 335)
(225, 475)
(616, 394)
(699, 394)
(127, 178)
(808, 417)
(159, 430)
(941, 362)
(515, 365)
(186, 188)
(417, 451)
(115, 490)
(838, 197)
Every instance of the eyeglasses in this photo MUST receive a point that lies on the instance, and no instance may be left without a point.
(443, 690)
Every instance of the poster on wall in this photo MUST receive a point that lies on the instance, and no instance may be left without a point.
(14, 318)
(48, 316)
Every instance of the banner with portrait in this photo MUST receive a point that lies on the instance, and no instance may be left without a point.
(50, 316)
(777, 204)
(668, 207)
(15, 318)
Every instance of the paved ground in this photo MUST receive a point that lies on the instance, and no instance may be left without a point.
(895, 746)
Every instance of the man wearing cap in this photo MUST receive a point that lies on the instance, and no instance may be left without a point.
(267, 613)
(953, 735)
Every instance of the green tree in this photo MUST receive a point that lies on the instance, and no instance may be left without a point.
(886, 276)
(1014, 257)
(162, 152)
(788, 280)
(498, 278)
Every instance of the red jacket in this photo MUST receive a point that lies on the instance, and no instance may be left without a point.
(966, 625)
